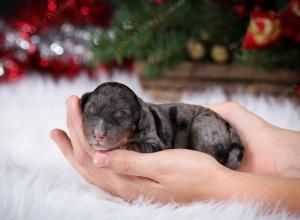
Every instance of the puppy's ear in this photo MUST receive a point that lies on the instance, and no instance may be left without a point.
(142, 115)
(84, 98)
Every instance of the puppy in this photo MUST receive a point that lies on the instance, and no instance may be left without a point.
(115, 117)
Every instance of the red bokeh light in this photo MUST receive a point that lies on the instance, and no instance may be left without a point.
(85, 10)
(52, 6)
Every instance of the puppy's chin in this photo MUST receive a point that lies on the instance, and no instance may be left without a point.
(107, 148)
(102, 148)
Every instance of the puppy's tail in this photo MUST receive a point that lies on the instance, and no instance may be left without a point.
(235, 155)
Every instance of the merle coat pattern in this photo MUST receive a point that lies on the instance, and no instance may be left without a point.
(115, 117)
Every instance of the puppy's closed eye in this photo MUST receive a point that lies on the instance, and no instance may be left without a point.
(91, 110)
(121, 114)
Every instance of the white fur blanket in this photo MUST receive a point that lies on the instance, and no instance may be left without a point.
(36, 182)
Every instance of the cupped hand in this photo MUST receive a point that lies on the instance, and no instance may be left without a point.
(256, 136)
(269, 150)
(171, 175)
(80, 154)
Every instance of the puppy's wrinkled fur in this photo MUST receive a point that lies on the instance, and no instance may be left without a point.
(123, 120)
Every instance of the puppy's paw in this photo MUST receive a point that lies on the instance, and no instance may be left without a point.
(235, 156)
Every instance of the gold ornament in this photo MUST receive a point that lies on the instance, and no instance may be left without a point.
(195, 49)
(219, 54)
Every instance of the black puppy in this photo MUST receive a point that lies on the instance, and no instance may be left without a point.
(114, 117)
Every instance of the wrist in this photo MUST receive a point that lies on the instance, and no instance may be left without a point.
(221, 184)
(287, 152)
(232, 184)
(268, 192)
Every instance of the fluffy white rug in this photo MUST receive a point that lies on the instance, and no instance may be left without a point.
(36, 182)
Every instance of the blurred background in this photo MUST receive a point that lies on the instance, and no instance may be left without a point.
(172, 45)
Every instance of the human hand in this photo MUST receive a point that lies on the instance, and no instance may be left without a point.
(269, 150)
(171, 175)
(80, 154)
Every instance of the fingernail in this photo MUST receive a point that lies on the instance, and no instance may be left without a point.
(100, 160)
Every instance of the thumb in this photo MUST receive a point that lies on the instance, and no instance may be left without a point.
(128, 162)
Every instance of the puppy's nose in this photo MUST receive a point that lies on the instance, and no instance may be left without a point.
(98, 135)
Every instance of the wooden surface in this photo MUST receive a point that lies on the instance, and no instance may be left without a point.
(201, 76)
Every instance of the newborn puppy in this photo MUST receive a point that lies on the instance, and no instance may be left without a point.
(115, 117)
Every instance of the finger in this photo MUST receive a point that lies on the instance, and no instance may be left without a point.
(130, 163)
(220, 108)
(226, 109)
(130, 187)
(64, 143)
(87, 171)
(237, 116)
(75, 120)
(79, 152)
(71, 120)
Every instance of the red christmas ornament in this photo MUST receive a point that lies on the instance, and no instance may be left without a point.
(267, 28)
(264, 30)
